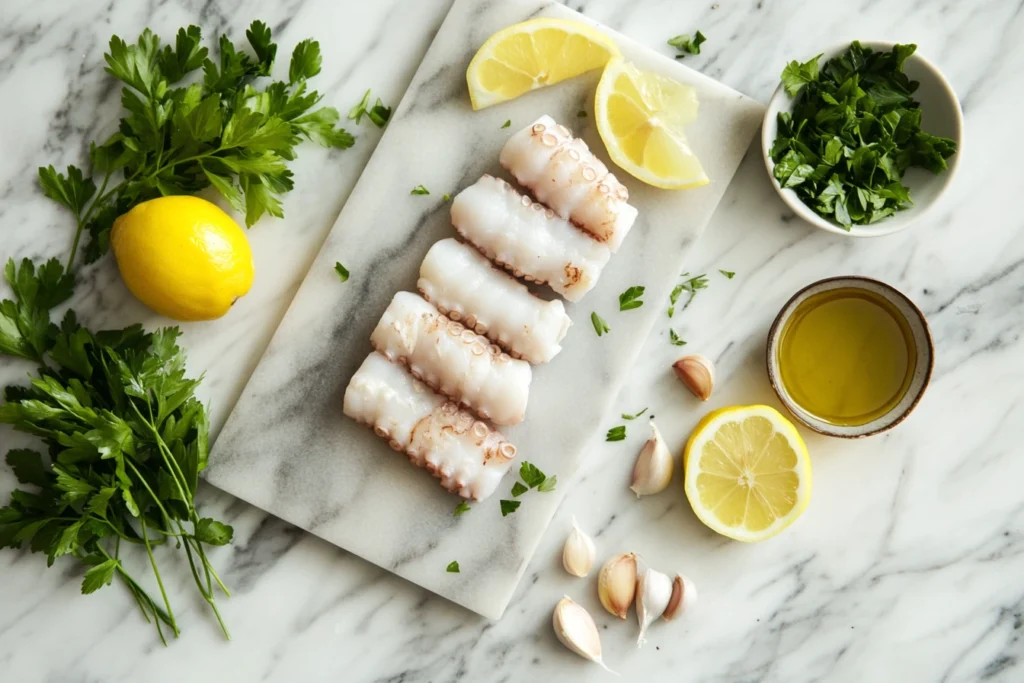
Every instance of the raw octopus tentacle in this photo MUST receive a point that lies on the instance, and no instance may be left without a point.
(467, 455)
(527, 238)
(564, 174)
(466, 288)
(453, 360)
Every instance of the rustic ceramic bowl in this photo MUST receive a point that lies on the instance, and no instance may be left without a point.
(940, 115)
(922, 368)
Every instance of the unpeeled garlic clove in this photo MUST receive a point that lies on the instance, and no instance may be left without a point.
(575, 628)
(653, 470)
(578, 552)
(653, 595)
(697, 373)
(684, 594)
(616, 584)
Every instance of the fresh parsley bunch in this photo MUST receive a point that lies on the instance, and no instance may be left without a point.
(229, 129)
(853, 133)
(125, 439)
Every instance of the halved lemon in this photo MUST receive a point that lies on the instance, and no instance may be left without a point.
(641, 117)
(534, 54)
(747, 472)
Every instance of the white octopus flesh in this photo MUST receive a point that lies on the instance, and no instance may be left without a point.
(453, 360)
(564, 174)
(528, 239)
(464, 286)
(467, 455)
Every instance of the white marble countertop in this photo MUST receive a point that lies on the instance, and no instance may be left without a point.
(907, 566)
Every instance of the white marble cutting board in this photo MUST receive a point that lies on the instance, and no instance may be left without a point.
(288, 449)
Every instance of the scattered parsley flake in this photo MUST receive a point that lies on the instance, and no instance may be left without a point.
(616, 433)
(728, 273)
(692, 285)
(548, 484)
(519, 489)
(600, 326)
(419, 189)
(675, 339)
(627, 416)
(453, 567)
(509, 506)
(342, 271)
(529, 473)
(446, 198)
(357, 112)
(508, 122)
(380, 115)
(463, 506)
(630, 299)
(685, 44)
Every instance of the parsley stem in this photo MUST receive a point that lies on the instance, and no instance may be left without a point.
(83, 220)
(156, 571)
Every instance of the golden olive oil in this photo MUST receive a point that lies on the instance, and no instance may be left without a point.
(846, 356)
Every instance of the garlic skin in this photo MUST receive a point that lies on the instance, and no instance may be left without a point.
(616, 584)
(575, 628)
(684, 594)
(653, 470)
(579, 552)
(653, 594)
(697, 373)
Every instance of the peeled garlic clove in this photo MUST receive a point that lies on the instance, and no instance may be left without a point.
(575, 629)
(653, 594)
(697, 373)
(616, 584)
(684, 594)
(578, 553)
(653, 470)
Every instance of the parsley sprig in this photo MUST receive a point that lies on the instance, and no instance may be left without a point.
(229, 129)
(853, 133)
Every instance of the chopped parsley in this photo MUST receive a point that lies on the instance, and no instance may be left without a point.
(631, 298)
(687, 45)
(600, 326)
(453, 567)
(419, 189)
(548, 485)
(342, 271)
(627, 416)
(616, 433)
(692, 286)
(378, 113)
(509, 506)
(508, 122)
(727, 273)
(519, 489)
(463, 506)
(675, 339)
(446, 197)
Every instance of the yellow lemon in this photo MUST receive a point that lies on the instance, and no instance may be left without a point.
(534, 54)
(747, 472)
(641, 117)
(183, 257)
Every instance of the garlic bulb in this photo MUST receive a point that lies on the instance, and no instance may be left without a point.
(578, 553)
(653, 470)
(575, 629)
(616, 584)
(653, 594)
(697, 373)
(684, 594)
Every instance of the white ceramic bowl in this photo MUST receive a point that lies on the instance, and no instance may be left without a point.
(923, 363)
(940, 115)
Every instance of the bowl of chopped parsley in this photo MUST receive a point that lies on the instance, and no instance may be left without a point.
(862, 139)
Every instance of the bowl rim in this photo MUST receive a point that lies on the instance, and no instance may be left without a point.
(790, 197)
(774, 333)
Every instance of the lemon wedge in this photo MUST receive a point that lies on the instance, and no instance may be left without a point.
(534, 54)
(641, 117)
(747, 472)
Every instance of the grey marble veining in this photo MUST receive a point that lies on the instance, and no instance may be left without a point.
(288, 449)
(906, 566)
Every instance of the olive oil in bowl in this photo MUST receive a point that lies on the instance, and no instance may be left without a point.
(849, 356)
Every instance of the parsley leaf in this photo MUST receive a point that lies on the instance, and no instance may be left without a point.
(507, 123)
(627, 416)
(356, 113)
(691, 286)
(305, 62)
(380, 115)
(453, 567)
(616, 433)
(342, 271)
(631, 298)
(462, 507)
(518, 489)
(548, 484)
(675, 339)
(685, 44)
(509, 506)
(727, 273)
(600, 326)
(419, 189)
(853, 132)
(25, 322)
(529, 473)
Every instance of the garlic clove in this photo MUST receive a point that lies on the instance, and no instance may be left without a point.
(575, 628)
(697, 373)
(653, 470)
(578, 552)
(653, 594)
(616, 584)
(684, 594)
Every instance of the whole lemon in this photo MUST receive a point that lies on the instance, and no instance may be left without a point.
(183, 257)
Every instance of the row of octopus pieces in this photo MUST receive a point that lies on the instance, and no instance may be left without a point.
(458, 354)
